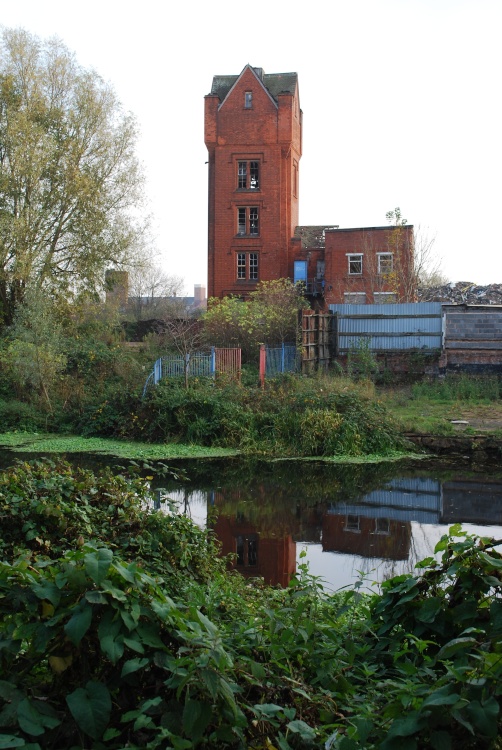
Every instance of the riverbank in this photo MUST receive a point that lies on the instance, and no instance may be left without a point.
(460, 419)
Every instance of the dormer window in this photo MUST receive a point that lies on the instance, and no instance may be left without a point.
(248, 100)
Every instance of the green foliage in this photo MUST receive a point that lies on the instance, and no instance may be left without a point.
(142, 640)
(69, 178)
(269, 316)
(52, 507)
(18, 415)
(33, 356)
(435, 651)
(323, 416)
(361, 361)
(460, 388)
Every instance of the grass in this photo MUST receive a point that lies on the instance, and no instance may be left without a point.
(32, 442)
(433, 408)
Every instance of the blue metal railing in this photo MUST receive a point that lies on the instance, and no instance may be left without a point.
(281, 359)
(196, 364)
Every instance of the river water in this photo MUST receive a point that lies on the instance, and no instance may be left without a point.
(351, 521)
(357, 521)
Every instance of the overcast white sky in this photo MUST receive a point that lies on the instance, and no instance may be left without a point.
(401, 102)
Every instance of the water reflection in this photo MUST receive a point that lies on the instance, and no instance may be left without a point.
(352, 522)
(358, 520)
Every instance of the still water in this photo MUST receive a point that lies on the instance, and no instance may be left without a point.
(353, 521)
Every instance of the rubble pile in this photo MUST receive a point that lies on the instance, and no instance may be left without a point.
(462, 292)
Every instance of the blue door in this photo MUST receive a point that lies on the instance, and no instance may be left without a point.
(300, 271)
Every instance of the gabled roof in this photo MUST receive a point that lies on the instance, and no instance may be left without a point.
(275, 83)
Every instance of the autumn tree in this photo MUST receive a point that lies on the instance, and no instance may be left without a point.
(412, 266)
(154, 293)
(268, 316)
(70, 183)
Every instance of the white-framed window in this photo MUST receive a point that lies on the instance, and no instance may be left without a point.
(248, 99)
(247, 266)
(248, 175)
(355, 263)
(354, 298)
(247, 221)
(353, 523)
(382, 526)
(382, 298)
(385, 263)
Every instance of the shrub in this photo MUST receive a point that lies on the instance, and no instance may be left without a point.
(18, 415)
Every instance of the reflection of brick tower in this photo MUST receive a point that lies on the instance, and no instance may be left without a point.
(253, 129)
(117, 288)
(274, 559)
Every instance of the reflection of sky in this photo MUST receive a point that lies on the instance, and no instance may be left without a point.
(338, 570)
(413, 506)
(193, 504)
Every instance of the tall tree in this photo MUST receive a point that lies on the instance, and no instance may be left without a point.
(155, 294)
(70, 183)
(268, 316)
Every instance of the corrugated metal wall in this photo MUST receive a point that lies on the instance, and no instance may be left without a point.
(392, 327)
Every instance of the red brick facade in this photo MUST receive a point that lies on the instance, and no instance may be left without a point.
(365, 265)
(253, 133)
(253, 136)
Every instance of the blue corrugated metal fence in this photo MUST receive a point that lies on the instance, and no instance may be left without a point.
(389, 327)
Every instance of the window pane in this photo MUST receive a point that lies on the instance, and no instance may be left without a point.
(241, 221)
(253, 220)
(248, 99)
(253, 266)
(382, 298)
(241, 265)
(242, 175)
(354, 298)
(254, 175)
(355, 264)
(385, 263)
(352, 523)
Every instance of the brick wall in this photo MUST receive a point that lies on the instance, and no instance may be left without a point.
(269, 133)
(368, 242)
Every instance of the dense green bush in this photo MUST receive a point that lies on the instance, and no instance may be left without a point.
(292, 416)
(19, 415)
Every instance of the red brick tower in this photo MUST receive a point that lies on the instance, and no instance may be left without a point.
(253, 133)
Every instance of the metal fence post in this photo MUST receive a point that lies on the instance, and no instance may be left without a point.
(157, 371)
(263, 364)
(213, 362)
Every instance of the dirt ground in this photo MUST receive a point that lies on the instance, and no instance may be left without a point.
(485, 418)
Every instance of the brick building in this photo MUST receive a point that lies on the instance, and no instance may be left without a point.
(253, 134)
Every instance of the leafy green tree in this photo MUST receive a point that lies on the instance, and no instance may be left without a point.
(35, 356)
(269, 316)
(70, 183)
